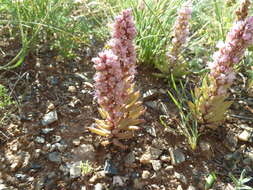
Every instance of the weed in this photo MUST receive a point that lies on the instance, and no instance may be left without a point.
(59, 25)
(86, 167)
(240, 184)
(187, 126)
(5, 99)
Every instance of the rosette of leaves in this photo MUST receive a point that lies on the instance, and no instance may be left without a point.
(207, 108)
(124, 126)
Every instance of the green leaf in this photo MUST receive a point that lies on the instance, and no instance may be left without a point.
(210, 181)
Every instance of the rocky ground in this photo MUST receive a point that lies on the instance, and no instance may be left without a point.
(45, 143)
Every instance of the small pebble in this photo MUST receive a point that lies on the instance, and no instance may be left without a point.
(72, 89)
(40, 140)
(145, 174)
(76, 142)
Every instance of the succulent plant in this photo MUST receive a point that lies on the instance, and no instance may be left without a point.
(180, 34)
(119, 103)
(209, 105)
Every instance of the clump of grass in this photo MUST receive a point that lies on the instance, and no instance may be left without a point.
(5, 99)
(5, 102)
(240, 184)
(187, 126)
(154, 21)
(45, 25)
(86, 167)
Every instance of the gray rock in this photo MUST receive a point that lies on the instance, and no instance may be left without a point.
(76, 142)
(97, 175)
(40, 140)
(231, 141)
(56, 138)
(47, 130)
(129, 159)
(247, 161)
(151, 130)
(75, 170)
(51, 175)
(206, 149)
(35, 166)
(59, 146)
(49, 118)
(65, 169)
(110, 168)
(177, 156)
(180, 177)
(246, 136)
(84, 152)
(98, 186)
(145, 174)
(20, 176)
(150, 154)
(54, 157)
(156, 164)
(152, 104)
(118, 181)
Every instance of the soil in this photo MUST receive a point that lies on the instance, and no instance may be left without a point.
(44, 83)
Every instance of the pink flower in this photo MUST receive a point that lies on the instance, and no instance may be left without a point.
(230, 53)
(115, 66)
(181, 31)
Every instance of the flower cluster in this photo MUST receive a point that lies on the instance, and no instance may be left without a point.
(109, 82)
(181, 31)
(210, 104)
(242, 11)
(114, 84)
(229, 54)
(123, 34)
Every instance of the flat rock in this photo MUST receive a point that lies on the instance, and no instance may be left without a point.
(49, 118)
(84, 152)
(156, 164)
(246, 136)
(177, 156)
(75, 170)
(54, 157)
(206, 149)
(145, 174)
(40, 140)
(118, 181)
(180, 177)
(109, 168)
(150, 154)
(129, 159)
(47, 130)
(231, 141)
